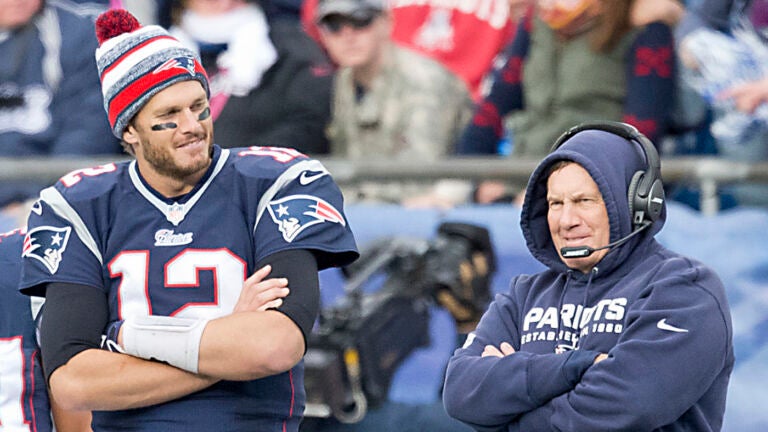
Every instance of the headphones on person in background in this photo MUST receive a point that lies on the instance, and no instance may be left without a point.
(646, 192)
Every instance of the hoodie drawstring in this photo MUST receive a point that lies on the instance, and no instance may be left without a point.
(559, 345)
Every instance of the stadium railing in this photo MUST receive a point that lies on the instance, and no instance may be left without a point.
(706, 173)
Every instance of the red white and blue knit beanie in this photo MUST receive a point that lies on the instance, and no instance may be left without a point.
(136, 62)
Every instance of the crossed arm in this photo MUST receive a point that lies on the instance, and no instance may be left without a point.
(489, 384)
(250, 343)
(648, 379)
(506, 349)
(69, 421)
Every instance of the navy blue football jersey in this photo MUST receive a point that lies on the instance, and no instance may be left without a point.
(23, 395)
(188, 257)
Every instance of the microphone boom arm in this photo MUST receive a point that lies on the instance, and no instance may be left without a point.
(585, 251)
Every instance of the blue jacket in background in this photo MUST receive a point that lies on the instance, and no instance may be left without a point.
(662, 318)
(50, 94)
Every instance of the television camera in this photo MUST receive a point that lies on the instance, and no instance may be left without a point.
(383, 316)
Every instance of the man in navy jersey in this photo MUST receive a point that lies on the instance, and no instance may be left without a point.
(24, 404)
(173, 254)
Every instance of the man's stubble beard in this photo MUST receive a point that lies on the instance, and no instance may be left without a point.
(161, 160)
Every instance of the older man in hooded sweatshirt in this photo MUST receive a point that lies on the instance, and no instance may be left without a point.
(618, 333)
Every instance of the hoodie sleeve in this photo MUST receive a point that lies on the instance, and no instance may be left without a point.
(676, 344)
(489, 392)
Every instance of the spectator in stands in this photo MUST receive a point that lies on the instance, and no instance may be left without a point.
(270, 83)
(389, 101)
(569, 65)
(50, 103)
(744, 92)
(575, 62)
(618, 332)
(464, 37)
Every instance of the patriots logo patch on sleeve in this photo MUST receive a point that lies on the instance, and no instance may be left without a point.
(293, 214)
(46, 244)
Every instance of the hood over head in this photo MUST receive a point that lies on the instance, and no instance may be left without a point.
(611, 161)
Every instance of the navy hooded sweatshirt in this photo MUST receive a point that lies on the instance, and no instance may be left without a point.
(662, 318)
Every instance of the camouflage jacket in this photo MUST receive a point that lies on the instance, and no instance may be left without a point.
(414, 108)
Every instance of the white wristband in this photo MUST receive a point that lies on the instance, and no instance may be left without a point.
(175, 341)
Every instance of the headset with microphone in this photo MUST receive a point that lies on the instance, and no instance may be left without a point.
(645, 193)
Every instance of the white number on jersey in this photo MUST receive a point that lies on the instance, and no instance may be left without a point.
(181, 271)
(12, 386)
(75, 176)
(279, 154)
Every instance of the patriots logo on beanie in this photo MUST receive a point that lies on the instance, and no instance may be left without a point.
(185, 63)
(137, 62)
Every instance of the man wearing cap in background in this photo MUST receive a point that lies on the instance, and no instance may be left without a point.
(199, 262)
(389, 102)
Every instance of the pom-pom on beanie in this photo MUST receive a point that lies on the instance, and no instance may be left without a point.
(136, 62)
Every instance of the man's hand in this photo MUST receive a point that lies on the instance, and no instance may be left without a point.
(259, 294)
(504, 349)
(747, 96)
(644, 12)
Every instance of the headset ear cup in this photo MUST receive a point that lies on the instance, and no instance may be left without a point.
(632, 198)
(655, 203)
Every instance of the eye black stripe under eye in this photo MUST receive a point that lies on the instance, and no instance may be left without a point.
(204, 114)
(164, 126)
